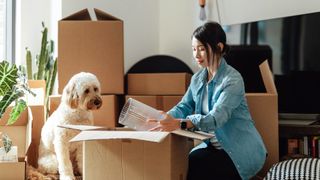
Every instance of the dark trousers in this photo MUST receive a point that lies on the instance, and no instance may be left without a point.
(210, 163)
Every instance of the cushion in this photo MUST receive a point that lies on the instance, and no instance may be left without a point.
(295, 169)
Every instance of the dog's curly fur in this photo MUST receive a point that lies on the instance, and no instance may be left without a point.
(56, 154)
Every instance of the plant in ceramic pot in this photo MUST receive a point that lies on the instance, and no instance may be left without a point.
(13, 87)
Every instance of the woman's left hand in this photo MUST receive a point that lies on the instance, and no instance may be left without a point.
(167, 124)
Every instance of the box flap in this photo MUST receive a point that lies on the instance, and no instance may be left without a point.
(101, 15)
(137, 135)
(80, 15)
(39, 88)
(267, 77)
(194, 135)
(29, 130)
(84, 127)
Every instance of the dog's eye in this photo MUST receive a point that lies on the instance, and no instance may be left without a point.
(95, 89)
(86, 91)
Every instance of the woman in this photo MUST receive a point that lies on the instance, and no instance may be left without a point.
(215, 102)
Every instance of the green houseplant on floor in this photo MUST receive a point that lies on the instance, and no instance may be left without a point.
(13, 87)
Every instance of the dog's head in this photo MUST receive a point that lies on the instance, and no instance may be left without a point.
(83, 92)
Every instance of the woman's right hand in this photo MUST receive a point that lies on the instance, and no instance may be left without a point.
(168, 123)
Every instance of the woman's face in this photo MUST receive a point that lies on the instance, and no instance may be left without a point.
(199, 53)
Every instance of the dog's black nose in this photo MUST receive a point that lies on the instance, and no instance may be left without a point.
(97, 102)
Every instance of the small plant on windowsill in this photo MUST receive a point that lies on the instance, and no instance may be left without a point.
(13, 87)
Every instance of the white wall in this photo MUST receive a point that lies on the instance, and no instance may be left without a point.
(30, 15)
(177, 20)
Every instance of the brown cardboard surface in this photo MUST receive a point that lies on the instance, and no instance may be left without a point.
(135, 159)
(20, 134)
(39, 116)
(135, 154)
(164, 103)
(106, 116)
(12, 171)
(264, 111)
(158, 83)
(92, 46)
(38, 112)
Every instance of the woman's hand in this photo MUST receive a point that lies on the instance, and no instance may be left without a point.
(168, 123)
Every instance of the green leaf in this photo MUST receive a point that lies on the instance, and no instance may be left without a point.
(16, 111)
(8, 99)
(8, 76)
(7, 143)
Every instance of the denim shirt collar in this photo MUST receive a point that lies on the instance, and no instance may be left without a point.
(204, 74)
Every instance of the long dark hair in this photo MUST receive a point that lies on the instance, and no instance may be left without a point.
(211, 33)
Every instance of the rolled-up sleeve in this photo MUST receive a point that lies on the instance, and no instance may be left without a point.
(185, 107)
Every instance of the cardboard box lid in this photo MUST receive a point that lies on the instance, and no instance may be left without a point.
(98, 133)
(84, 15)
(267, 77)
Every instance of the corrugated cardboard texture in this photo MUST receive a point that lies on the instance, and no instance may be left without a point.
(136, 160)
(106, 116)
(164, 103)
(158, 83)
(92, 46)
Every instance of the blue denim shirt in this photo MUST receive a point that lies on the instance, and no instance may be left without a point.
(228, 117)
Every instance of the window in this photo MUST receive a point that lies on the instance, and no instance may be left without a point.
(7, 30)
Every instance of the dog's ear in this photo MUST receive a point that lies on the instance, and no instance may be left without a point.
(70, 95)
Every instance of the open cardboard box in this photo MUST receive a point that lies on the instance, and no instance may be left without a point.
(264, 111)
(123, 154)
(20, 133)
(38, 109)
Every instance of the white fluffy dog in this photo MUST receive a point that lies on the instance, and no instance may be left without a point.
(56, 154)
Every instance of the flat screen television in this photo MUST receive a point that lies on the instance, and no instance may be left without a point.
(295, 44)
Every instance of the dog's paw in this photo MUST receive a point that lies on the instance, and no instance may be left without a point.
(66, 177)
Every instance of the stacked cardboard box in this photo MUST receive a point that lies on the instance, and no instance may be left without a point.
(159, 90)
(95, 46)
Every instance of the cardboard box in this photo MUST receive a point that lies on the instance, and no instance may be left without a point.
(106, 116)
(158, 83)
(164, 103)
(264, 111)
(20, 134)
(38, 109)
(92, 46)
(120, 155)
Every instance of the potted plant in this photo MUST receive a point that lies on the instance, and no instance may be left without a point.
(13, 87)
(45, 62)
